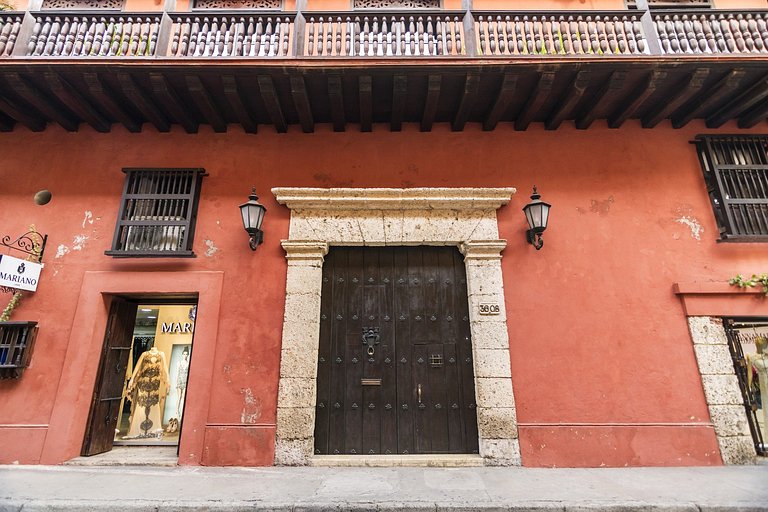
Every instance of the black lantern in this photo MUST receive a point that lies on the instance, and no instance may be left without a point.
(537, 213)
(253, 215)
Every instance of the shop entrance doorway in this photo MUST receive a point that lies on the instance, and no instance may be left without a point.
(395, 371)
(748, 343)
(141, 384)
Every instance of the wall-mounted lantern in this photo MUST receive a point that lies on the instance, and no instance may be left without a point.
(537, 213)
(253, 215)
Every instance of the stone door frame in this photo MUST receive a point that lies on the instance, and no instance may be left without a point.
(461, 217)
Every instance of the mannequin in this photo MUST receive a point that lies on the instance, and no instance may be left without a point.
(759, 362)
(147, 390)
(181, 381)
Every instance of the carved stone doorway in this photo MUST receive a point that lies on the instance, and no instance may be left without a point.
(461, 217)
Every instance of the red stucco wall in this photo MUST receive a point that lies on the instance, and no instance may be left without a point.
(602, 363)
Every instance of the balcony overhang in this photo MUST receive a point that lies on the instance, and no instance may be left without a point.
(356, 94)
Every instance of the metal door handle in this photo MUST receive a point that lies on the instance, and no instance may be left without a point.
(418, 391)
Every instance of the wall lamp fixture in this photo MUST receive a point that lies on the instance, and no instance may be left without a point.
(253, 215)
(537, 213)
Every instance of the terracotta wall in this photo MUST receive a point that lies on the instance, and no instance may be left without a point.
(602, 363)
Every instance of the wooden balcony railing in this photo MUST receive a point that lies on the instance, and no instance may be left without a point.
(377, 34)
(88, 34)
(10, 24)
(711, 31)
(16, 344)
(561, 33)
(244, 34)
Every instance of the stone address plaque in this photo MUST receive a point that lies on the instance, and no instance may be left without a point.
(489, 308)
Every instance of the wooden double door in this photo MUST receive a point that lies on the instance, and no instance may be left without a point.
(395, 359)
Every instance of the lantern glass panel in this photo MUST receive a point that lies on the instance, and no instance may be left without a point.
(544, 214)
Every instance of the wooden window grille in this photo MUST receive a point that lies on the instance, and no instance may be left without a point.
(238, 4)
(158, 211)
(736, 173)
(17, 340)
(396, 4)
(84, 4)
(674, 4)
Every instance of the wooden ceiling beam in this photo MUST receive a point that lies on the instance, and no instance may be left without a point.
(743, 102)
(536, 100)
(754, 116)
(40, 101)
(235, 100)
(712, 96)
(22, 115)
(336, 97)
(569, 101)
(205, 104)
(434, 85)
(163, 89)
(503, 99)
(301, 102)
(6, 123)
(682, 92)
(471, 86)
(608, 92)
(75, 101)
(366, 103)
(272, 103)
(636, 98)
(105, 99)
(143, 103)
(399, 95)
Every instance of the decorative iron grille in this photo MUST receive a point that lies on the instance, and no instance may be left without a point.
(736, 172)
(395, 4)
(157, 213)
(84, 4)
(16, 343)
(751, 400)
(238, 4)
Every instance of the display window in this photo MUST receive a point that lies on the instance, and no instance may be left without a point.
(155, 383)
(748, 340)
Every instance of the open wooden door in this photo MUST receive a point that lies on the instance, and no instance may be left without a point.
(105, 407)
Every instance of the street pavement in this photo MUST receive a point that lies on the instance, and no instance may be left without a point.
(132, 488)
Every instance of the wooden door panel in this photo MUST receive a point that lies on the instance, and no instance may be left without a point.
(107, 395)
(415, 299)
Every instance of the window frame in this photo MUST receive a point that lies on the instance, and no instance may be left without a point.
(27, 335)
(189, 223)
(728, 226)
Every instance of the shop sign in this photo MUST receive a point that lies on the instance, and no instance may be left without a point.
(18, 273)
(176, 328)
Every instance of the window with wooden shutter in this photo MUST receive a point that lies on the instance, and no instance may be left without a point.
(16, 343)
(736, 171)
(157, 213)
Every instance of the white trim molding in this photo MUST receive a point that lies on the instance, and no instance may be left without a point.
(461, 217)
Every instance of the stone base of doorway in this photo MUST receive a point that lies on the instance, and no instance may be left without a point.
(164, 456)
(398, 461)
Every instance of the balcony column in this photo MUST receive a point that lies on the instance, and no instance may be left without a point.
(299, 26)
(164, 32)
(649, 28)
(469, 28)
(20, 48)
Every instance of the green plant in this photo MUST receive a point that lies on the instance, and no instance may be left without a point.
(756, 279)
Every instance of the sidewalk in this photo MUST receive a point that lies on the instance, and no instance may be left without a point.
(33, 488)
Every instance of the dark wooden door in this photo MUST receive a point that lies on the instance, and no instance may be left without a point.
(408, 386)
(105, 407)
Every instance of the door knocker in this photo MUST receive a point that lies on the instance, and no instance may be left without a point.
(370, 338)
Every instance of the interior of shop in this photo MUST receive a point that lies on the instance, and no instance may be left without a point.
(154, 390)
